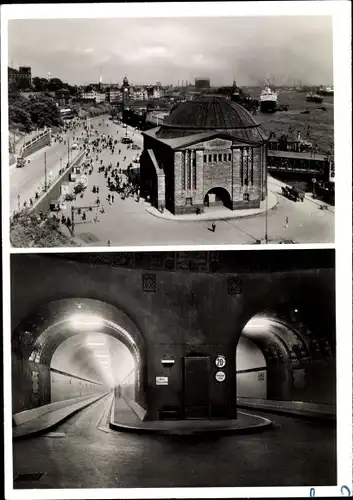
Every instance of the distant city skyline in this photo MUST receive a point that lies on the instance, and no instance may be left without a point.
(286, 50)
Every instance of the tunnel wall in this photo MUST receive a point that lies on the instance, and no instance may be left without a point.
(128, 387)
(66, 386)
(313, 381)
(251, 371)
(178, 313)
(32, 385)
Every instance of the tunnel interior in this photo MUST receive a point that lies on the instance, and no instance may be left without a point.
(281, 355)
(76, 347)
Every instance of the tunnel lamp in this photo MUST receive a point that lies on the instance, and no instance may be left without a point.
(95, 343)
(101, 355)
(295, 310)
(86, 320)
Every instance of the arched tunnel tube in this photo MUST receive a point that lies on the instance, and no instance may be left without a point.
(73, 342)
(280, 358)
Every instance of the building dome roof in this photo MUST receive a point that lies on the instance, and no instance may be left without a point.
(208, 113)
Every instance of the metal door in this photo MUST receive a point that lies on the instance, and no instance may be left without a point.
(196, 387)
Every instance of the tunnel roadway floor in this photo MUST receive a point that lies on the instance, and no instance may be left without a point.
(84, 453)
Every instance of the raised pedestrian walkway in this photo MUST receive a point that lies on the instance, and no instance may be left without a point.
(53, 416)
(124, 418)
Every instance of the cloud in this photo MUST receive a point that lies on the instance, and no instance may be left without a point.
(175, 49)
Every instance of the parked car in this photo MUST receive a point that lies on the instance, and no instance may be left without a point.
(135, 146)
(126, 140)
(293, 193)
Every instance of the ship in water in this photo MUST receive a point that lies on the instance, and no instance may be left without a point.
(326, 91)
(314, 97)
(268, 100)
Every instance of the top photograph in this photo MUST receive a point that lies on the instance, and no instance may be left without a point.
(171, 131)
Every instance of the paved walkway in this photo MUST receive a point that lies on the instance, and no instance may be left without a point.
(218, 212)
(125, 419)
(301, 408)
(51, 419)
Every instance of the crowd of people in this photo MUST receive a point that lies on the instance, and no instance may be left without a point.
(117, 177)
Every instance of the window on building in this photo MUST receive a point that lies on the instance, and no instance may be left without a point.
(246, 197)
(205, 158)
(220, 157)
(229, 156)
(210, 158)
(183, 170)
(194, 162)
(224, 156)
(188, 202)
(215, 157)
(194, 176)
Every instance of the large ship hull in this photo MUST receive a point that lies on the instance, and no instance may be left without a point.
(268, 106)
(317, 99)
(326, 92)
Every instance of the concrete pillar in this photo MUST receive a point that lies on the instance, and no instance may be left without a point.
(178, 187)
(199, 193)
(161, 191)
(237, 191)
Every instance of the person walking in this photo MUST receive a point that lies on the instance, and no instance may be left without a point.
(213, 227)
(286, 222)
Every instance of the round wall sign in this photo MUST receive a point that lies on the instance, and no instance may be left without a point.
(220, 362)
(220, 376)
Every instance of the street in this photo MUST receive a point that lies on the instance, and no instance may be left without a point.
(24, 182)
(84, 453)
(126, 221)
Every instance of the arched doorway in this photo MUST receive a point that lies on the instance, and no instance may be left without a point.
(217, 197)
(77, 339)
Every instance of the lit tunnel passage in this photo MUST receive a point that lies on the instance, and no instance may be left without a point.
(76, 347)
(280, 357)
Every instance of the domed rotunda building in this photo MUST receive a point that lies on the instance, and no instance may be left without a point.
(207, 152)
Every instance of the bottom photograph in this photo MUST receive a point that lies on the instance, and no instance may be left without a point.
(173, 369)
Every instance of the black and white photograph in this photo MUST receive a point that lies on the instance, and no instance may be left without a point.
(145, 370)
(138, 131)
(177, 249)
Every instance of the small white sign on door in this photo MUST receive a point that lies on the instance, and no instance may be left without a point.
(161, 380)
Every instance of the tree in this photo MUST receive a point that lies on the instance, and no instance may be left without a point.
(19, 118)
(23, 84)
(40, 84)
(55, 84)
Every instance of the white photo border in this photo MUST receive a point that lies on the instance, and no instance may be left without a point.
(341, 15)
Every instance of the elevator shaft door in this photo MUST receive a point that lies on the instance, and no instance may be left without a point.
(196, 387)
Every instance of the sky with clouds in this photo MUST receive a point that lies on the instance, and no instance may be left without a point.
(147, 50)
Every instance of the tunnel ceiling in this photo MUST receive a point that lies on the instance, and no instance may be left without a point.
(94, 356)
(286, 338)
(45, 330)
